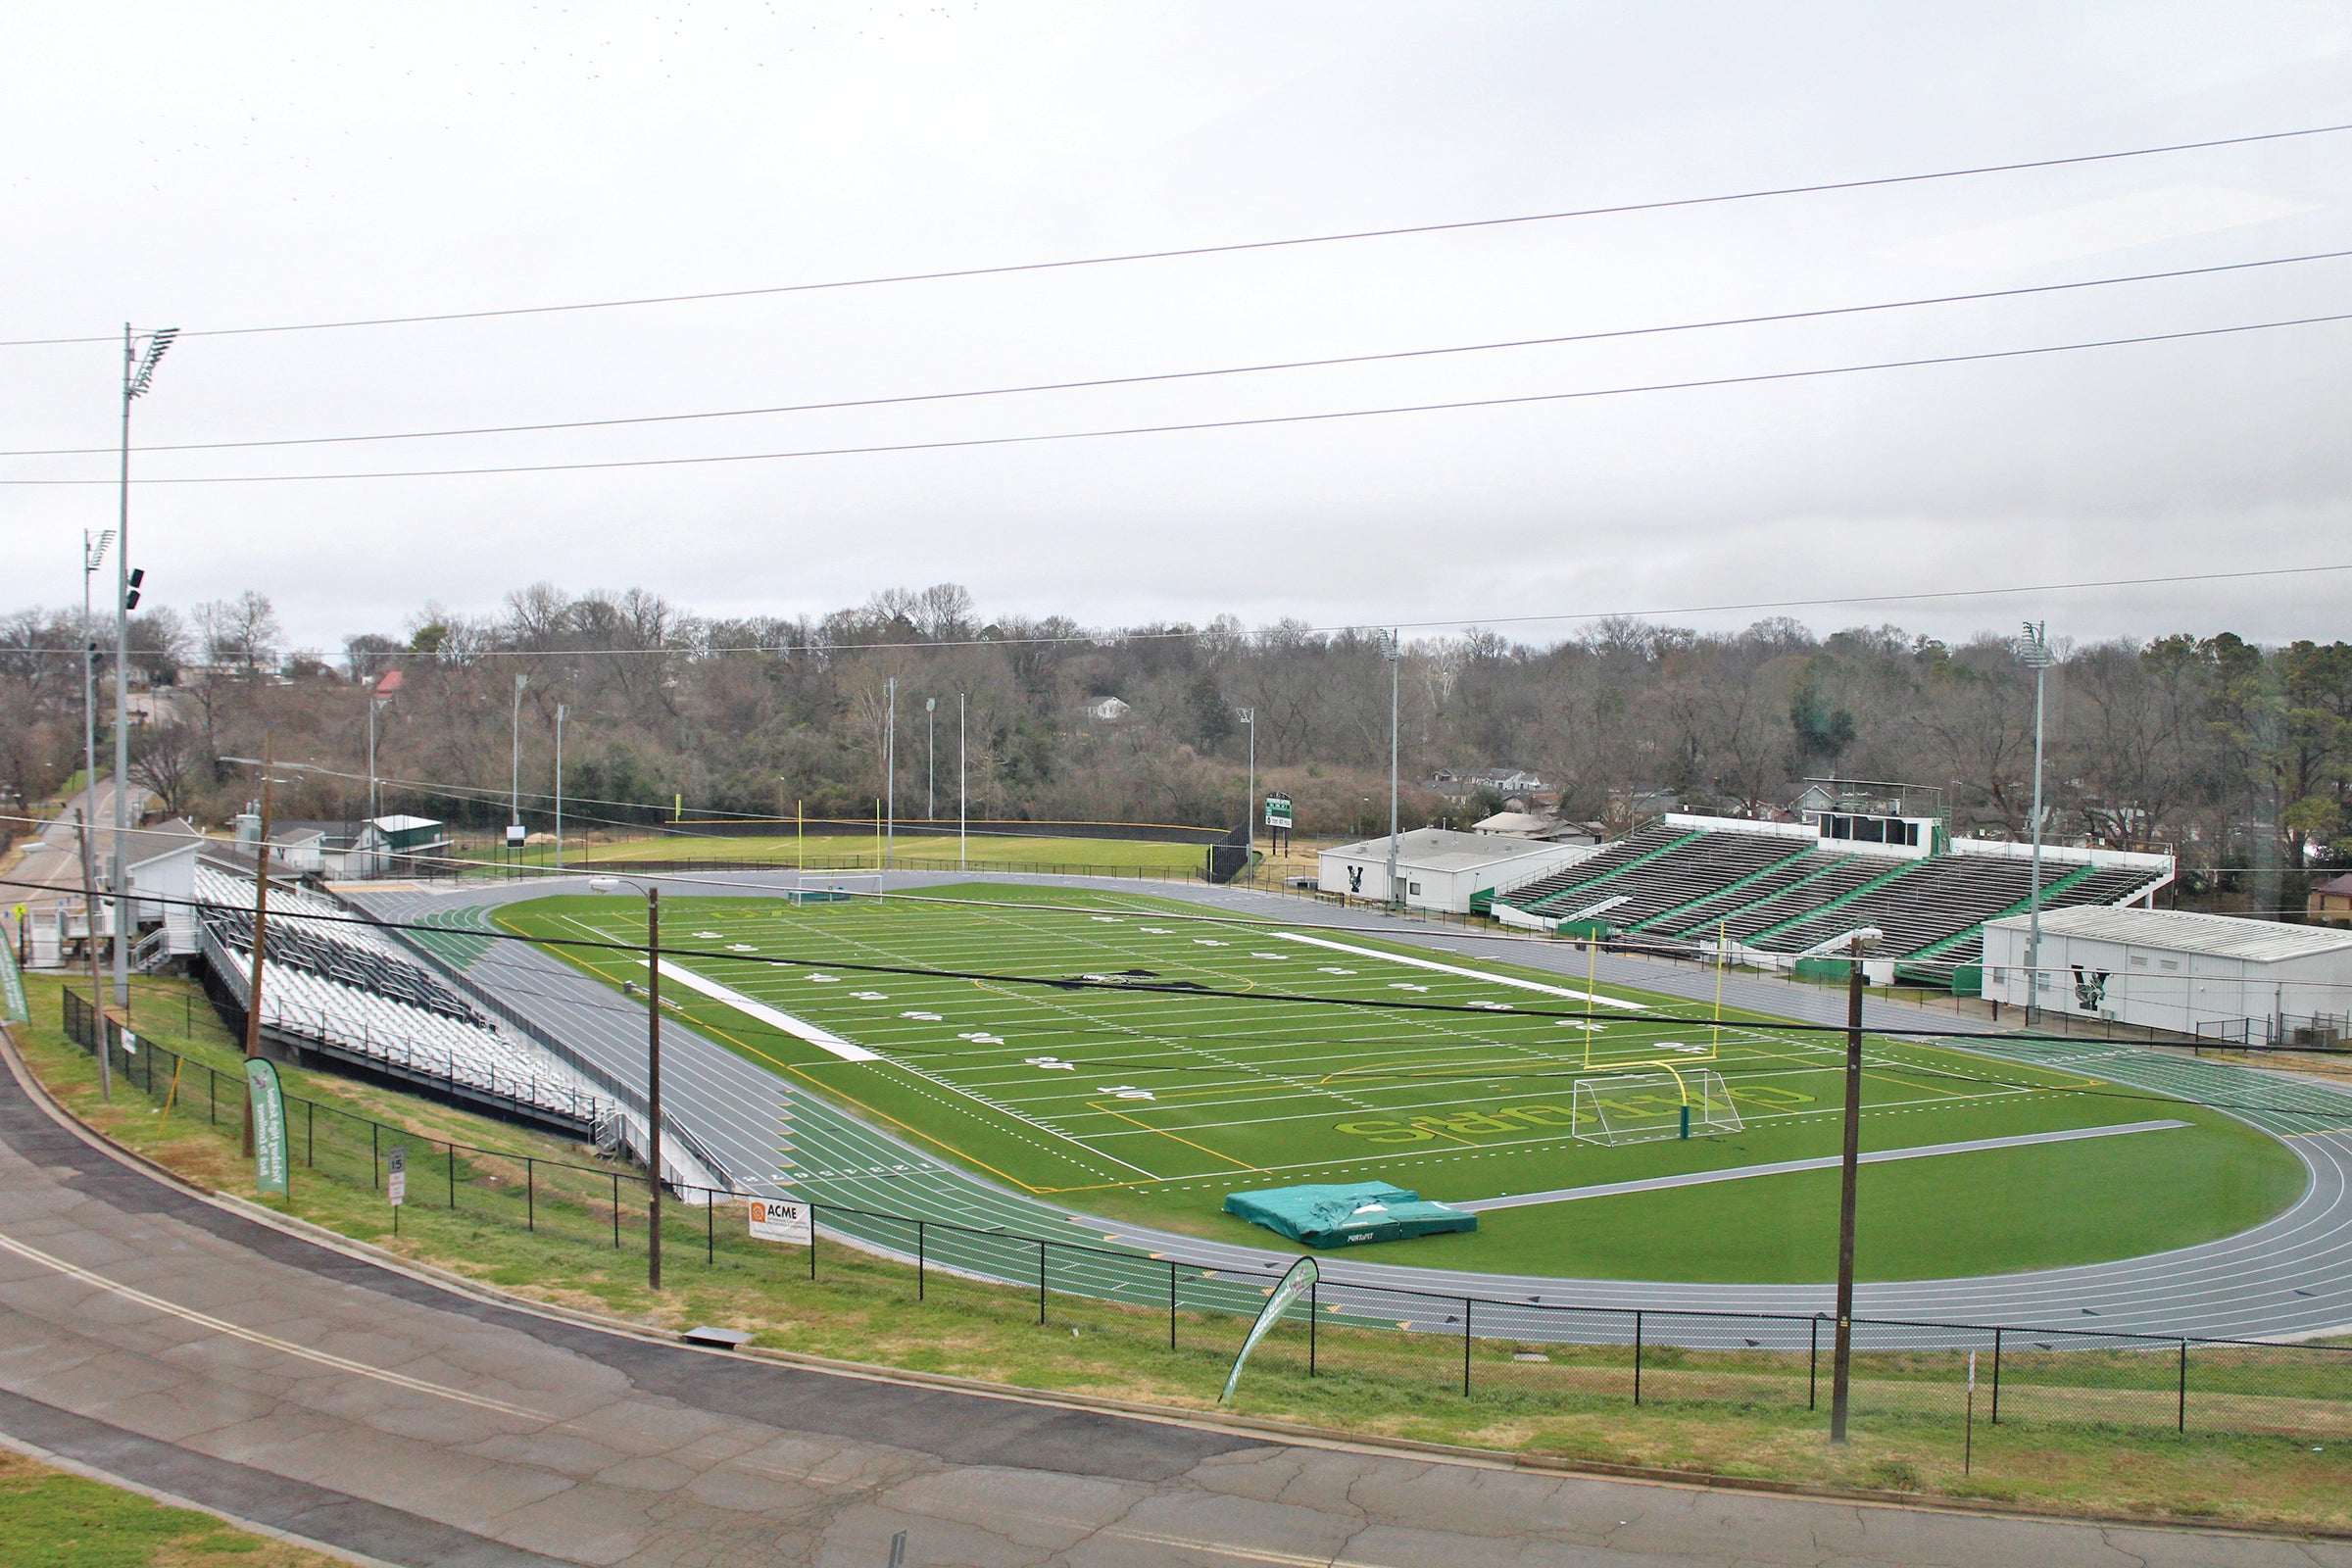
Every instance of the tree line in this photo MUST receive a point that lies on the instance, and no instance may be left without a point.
(2236, 756)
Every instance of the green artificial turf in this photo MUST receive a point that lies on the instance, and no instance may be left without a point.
(1151, 1100)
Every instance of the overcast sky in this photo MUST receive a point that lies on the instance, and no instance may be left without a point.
(232, 165)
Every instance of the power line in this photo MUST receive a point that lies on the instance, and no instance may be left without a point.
(1237, 247)
(1196, 375)
(1259, 422)
(828, 648)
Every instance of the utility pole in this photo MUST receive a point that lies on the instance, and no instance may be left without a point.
(138, 374)
(652, 1067)
(1395, 660)
(261, 931)
(1842, 1361)
(515, 824)
(560, 712)
(89, 905)
(2034, 649)
(931, 765)
(92, 555)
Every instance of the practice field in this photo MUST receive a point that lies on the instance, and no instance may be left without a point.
(1181, 1057)
(912, 851)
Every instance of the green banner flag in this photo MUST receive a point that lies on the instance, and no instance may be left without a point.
(12, 988)
(269, 1126)
(1296, 1283)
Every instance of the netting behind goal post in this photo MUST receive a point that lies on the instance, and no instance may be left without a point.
(1637, 1107)
(833, 887)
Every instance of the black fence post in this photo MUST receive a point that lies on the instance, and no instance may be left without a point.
(1637, 1357)
(212, 1098)
(376, 1157)
(616, 1211)
(1996, 1376)
(530, 1195)
(1314, 1305)
(1465, 1346)
(310, 1133)
(1040, 1281)
(1171, 1304)
(812, 1243)
(920, 1251)
(2182, 1419)
(1813, 1360)
(453, 1176)
(709, 1229)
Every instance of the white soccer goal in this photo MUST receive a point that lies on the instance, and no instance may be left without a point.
(833, 887)
(1637, 1107)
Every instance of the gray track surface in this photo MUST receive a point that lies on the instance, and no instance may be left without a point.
(2288, 1278)
(346, 1410)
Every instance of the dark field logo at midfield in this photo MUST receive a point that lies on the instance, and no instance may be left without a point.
(2090, 988)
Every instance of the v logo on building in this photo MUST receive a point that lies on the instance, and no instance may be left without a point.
(2090, 988)
(1355, 879)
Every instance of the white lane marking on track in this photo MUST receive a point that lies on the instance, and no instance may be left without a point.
(268, 1341)
(1453, 968)
(798, 1028)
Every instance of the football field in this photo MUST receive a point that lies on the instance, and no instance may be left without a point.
(1131, 1058)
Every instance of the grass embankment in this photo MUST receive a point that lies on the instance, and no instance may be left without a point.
(49, 1519)
(2092, 1437)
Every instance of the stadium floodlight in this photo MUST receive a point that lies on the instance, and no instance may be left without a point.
(1249, 716)
(138, 374)
(653, 1065)
(2033, 652)
(1859, 944)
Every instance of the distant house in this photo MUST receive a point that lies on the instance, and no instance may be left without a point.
(1460, 783)
(1536, 825)
(2330, 903)
(1109, 710)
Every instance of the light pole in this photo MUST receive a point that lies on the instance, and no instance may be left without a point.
(1395, 662)
(959, 808)
(138, 374)
(514, 822)
(1249, 716)
(652, 1067)
(931, 764)
(890, 779)
(560, 712)
(1849, 1166)
(2034, 651)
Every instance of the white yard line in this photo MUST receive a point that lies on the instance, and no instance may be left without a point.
(798, 1028)
(1564, 1195)
(1449, 969)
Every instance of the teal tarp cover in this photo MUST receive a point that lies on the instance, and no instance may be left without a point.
(1348, 1215)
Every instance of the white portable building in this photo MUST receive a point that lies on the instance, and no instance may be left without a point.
(1442, 870)
(2217, 976)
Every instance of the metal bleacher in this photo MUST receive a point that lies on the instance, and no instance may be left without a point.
(1536, 896)
(333, 986)
(1685, 883)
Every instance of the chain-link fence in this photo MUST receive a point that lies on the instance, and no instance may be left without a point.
(1405, 1348)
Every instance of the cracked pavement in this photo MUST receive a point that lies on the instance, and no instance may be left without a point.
(173, 1342)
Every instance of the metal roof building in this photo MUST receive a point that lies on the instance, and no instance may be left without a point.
(2217, 976)
(1440, 869)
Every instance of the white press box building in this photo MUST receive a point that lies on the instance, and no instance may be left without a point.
(2218, 976)
(1442, 870)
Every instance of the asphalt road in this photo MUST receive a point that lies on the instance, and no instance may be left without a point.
(167, 1339)
(2289, 1277)
(52, 858)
